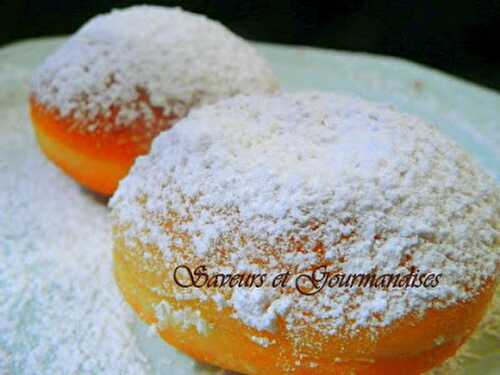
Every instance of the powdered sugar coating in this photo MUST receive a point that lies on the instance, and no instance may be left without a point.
(145, 58)
(293, 181)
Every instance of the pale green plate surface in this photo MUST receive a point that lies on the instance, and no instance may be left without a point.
(467, 113)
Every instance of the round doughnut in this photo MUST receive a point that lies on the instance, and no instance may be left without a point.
(99, 100)
(289, 183)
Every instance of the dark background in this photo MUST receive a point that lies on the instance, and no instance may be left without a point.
(460, 37)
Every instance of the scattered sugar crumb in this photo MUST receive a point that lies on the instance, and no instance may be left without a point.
(258, 308)
(219, 300)
(262, 341)
(439, 341)
(185, 318)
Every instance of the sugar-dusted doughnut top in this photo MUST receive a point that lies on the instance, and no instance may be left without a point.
(290, 182)
(147, 57)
